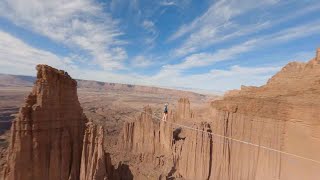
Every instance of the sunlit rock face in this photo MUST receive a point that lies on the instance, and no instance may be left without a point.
(46, 136)
(282, 116)
(93, 159)
(144, 135)
(183, 109)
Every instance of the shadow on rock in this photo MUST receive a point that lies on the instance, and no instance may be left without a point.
(122, 172)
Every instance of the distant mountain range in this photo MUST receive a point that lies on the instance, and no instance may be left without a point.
(27, 81)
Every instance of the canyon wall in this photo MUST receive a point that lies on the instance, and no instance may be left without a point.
(282, 115)
(256, 133)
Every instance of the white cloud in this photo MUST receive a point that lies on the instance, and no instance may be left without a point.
(220, 80)
(204, 59)
(218, 14)
(177, 3)
(149, 26)
(167, 3)
(82, 24)
(77, 23)
(210, 36)
(141, 62)
(152, 32)
(218, 24)
(16, 57)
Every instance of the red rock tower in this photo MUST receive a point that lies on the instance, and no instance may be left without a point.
(184, 110)
(46, 136)
(318, 54)
(93, 160)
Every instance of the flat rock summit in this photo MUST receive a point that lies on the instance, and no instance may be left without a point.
(256, 133)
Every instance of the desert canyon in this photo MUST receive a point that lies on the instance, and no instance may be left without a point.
(70, 129)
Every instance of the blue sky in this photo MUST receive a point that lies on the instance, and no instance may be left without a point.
(210, 44)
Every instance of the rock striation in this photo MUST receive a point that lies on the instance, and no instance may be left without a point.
(282, 115)
(159, 144)
(183, 110)
(191, 153)
(144, 135)
(93, 159)
(46, 137)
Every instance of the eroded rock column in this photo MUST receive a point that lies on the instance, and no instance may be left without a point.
(46, 136)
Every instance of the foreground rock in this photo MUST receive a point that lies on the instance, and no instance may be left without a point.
(46, 137)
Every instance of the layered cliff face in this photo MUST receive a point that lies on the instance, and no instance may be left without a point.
(93, 159)
(145, 135)
(158, 143)
(46, 137)
(282, 115)
(191, 152)
(257, 133)
(183, 110)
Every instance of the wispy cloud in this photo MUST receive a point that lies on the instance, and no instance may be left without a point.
(204, 59)
(77, 23)
(231, 78)
(218, 15)
(219, 23)
(18, 57)
(178, 3)
(167, 3)
(152, 32)
(141, 61)
(94, 37)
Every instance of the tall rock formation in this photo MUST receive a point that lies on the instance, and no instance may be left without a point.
(256, 133)
(46, 136)
(192, 152)
(183, 109)
(282, 115)
(93, 160)
(144, 135)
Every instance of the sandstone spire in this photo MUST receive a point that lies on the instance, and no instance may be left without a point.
(318, 55)
(93, 160)
(183, 111)
(145, 135)
(46, 136)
